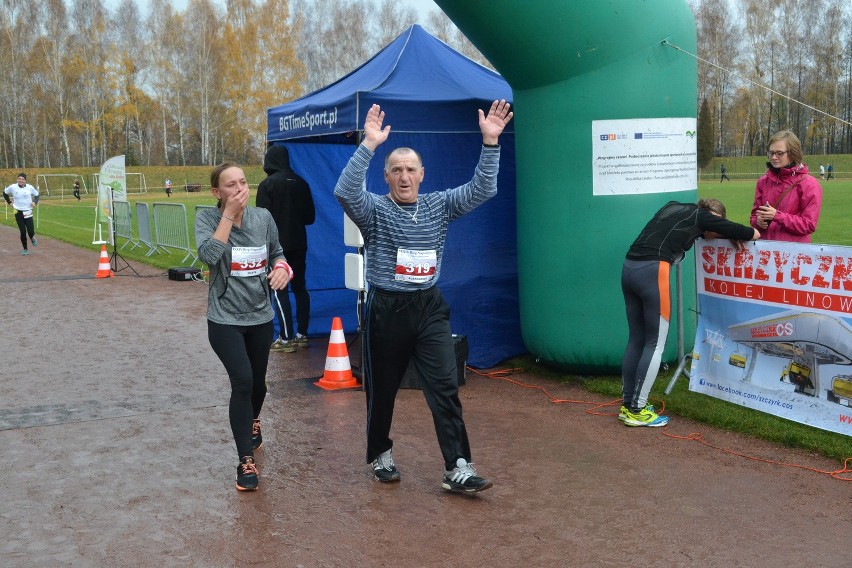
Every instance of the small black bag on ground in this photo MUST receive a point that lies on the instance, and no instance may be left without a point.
(184, 273)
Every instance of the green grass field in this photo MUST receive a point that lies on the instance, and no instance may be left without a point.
(72, 222)
(738, 197)
(752, 167)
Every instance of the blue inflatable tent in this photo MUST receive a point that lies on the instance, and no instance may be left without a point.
(430, 94)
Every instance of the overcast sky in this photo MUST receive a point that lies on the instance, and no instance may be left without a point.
(423, 7)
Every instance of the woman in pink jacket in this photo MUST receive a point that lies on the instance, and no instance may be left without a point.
(787, 199)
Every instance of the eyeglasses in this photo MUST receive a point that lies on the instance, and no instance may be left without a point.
(773, 153)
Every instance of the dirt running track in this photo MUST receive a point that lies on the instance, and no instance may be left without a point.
(117, 452)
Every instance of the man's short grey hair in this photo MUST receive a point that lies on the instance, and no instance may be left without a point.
(403, 150)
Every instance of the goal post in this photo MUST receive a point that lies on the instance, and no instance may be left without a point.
(60, 185)
(135, 182)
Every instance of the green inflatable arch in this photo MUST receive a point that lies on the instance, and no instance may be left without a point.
(572, 63)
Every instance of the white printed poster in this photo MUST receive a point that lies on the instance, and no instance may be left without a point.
(644, 155)
(775, 330)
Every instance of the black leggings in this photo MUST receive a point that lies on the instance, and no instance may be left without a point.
(25, 226)
(244, 351)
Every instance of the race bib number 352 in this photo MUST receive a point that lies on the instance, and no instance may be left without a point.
(417, 266)
(248, 261)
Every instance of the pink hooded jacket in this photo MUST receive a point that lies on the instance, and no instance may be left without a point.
(798, 211)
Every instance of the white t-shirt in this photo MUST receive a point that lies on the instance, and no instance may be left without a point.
(22, 197)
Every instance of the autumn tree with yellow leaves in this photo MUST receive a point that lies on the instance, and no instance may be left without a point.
(84, 80)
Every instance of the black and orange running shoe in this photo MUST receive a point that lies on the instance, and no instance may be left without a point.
(247, 474)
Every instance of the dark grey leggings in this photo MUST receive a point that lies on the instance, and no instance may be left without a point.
(647, 298)
(244, 351)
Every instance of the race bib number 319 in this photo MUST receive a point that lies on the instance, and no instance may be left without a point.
(248, 261)
(415, 265)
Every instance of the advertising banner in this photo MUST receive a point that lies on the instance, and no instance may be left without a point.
(775, 329)
(112, 185)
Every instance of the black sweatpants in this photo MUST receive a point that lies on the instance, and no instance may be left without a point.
(403, 327)
(244, 351)
(297, 261)
(26, 226)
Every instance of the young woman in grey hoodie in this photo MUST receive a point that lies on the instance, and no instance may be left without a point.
(240, 245)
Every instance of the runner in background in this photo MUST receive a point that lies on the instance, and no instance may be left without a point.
(23, 197)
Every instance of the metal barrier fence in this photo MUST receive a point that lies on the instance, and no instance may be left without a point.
(123, 223)
(143, 221)
(171, 229)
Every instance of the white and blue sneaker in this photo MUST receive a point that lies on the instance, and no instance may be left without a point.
(300, 340)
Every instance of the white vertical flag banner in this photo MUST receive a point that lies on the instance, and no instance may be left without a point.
(112, 184)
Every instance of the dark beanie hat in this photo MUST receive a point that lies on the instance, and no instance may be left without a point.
(22, 175)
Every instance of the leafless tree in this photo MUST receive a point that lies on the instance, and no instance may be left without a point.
(80, 83)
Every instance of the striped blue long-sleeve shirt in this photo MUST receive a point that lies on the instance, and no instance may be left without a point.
(388, 227)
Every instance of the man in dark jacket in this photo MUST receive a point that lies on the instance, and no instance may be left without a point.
(288, 197)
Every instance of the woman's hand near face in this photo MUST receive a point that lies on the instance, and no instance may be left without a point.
(237, 201)
(233, 190)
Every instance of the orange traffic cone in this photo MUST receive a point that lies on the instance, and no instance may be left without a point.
(338, 372)
(104, 269)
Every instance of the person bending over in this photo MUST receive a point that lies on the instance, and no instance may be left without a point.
(647, 298)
